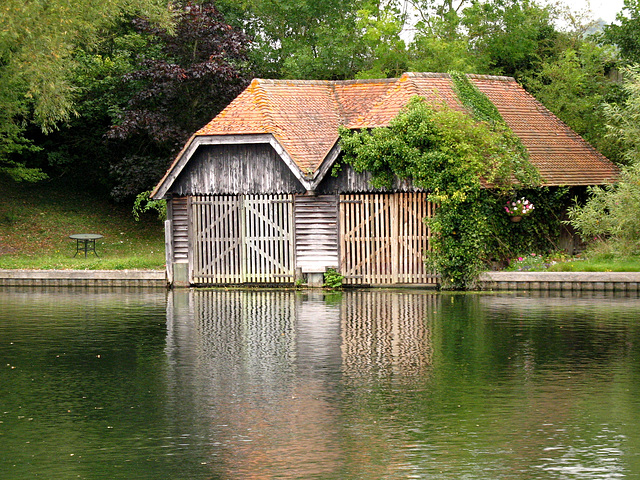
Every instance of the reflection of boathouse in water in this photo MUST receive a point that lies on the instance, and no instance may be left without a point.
(248, 356)
(246, 327)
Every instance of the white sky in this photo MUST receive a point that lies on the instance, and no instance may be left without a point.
(605, 9)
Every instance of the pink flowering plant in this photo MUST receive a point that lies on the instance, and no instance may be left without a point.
(519, 208)
(531, 261)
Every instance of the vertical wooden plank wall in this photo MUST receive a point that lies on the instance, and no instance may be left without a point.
(383, 239)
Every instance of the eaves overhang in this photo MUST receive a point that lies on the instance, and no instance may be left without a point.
(309, 181)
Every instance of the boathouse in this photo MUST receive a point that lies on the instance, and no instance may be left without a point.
(251, 198)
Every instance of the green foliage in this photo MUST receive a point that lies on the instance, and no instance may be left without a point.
(450, 155)
(509, 36)
(516, 161)
(623, 119)
(479, 105)
(381, 40)
(306, 39)
(531, 262)
(36, 61)
(21, 173)
(144, 203)
(574, 86)
(333, 279)
(611, 213)
(609, 218)
(429, 53)
(625, 32)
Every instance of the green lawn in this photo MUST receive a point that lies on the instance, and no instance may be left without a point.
(36, 221)
(598, 264)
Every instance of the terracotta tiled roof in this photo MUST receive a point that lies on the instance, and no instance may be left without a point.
(561, 156)
(304, 117)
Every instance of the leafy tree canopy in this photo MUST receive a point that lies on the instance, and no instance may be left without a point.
(625, 34)
(36, 60)
(196, 69)
(610, 214)
(303, 38)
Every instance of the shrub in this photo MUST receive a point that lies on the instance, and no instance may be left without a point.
(611, 213)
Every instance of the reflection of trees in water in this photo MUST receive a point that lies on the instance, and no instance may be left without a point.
(386, 332)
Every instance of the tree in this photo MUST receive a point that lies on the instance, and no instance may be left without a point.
(626, 33)
(623, 120)
(386, 53)
(311, 39)
(575, 86)
(36, 61)
(610, 214)
(510, 37)
(500, 37)
(193, 72)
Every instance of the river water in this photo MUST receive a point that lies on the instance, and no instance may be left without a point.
(145, 384)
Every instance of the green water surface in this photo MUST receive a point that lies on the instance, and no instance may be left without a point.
(145, 384)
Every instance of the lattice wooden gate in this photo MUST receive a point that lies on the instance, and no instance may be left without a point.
(241, 239)
(383, 238)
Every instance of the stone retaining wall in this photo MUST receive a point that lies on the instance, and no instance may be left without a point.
(83, 278)
(540, 281)
(566, 281)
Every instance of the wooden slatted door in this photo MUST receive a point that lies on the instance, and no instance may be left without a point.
(268, 239)
(365, 239)
(383, 239)
(241, 239)
(216, 254)
(413, 238)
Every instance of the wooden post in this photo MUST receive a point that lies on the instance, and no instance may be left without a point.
(395, 235)
(168, 250)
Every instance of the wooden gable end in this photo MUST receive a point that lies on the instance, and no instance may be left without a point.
(231, 169)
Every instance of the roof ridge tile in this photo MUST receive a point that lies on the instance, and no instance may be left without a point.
(262, 102)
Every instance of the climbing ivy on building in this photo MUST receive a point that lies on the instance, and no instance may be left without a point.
(455, 157)
(483, 110)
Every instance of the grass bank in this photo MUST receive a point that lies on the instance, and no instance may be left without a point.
(589, 262)
(36, 221)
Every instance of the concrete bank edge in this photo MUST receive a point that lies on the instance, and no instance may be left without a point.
(629, 281)
(143, 278)
(575, 281)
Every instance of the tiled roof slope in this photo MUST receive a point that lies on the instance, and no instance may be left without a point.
(304, 117)
(561, 156)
